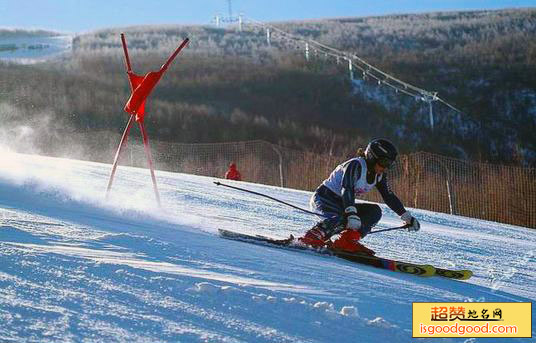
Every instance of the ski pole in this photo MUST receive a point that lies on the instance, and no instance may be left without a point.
(299, 208)
(391, 229)
(271, 198)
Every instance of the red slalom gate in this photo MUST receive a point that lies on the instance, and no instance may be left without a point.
(141, 87)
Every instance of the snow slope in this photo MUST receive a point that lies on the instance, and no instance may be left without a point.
(74, 267)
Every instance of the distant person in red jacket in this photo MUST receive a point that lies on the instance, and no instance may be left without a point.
(232, 173)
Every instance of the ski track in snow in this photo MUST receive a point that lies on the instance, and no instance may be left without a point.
(74, 267)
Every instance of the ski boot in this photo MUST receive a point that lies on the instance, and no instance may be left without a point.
(315, 237)
(349, 242)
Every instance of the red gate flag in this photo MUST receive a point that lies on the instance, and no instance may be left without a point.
(141, 88)
(143, 85)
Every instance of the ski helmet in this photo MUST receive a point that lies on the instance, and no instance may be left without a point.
(380, 151)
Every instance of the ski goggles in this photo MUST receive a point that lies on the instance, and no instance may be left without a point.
(385, 162)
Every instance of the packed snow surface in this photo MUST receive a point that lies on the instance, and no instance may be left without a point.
(75, 267)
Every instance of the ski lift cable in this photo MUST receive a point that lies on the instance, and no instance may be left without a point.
(386, 75)
(385, 81)
(342, 54)
(449, 105)
(369, 69)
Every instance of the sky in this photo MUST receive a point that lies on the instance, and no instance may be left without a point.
(86, 15)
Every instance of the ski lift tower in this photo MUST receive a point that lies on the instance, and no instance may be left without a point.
(430, 98)
(230, 18)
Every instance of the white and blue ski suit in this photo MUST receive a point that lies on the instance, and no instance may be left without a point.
(344, 185)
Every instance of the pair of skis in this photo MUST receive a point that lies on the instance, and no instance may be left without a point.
(378, 262)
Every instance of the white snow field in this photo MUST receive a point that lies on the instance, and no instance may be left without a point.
(77, 268)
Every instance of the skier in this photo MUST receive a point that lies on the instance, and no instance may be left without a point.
(232, 173)
(335, 198)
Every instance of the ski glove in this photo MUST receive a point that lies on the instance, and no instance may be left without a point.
(413, 223)
(352, 220)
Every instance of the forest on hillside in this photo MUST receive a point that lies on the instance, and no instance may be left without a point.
(231, 85)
